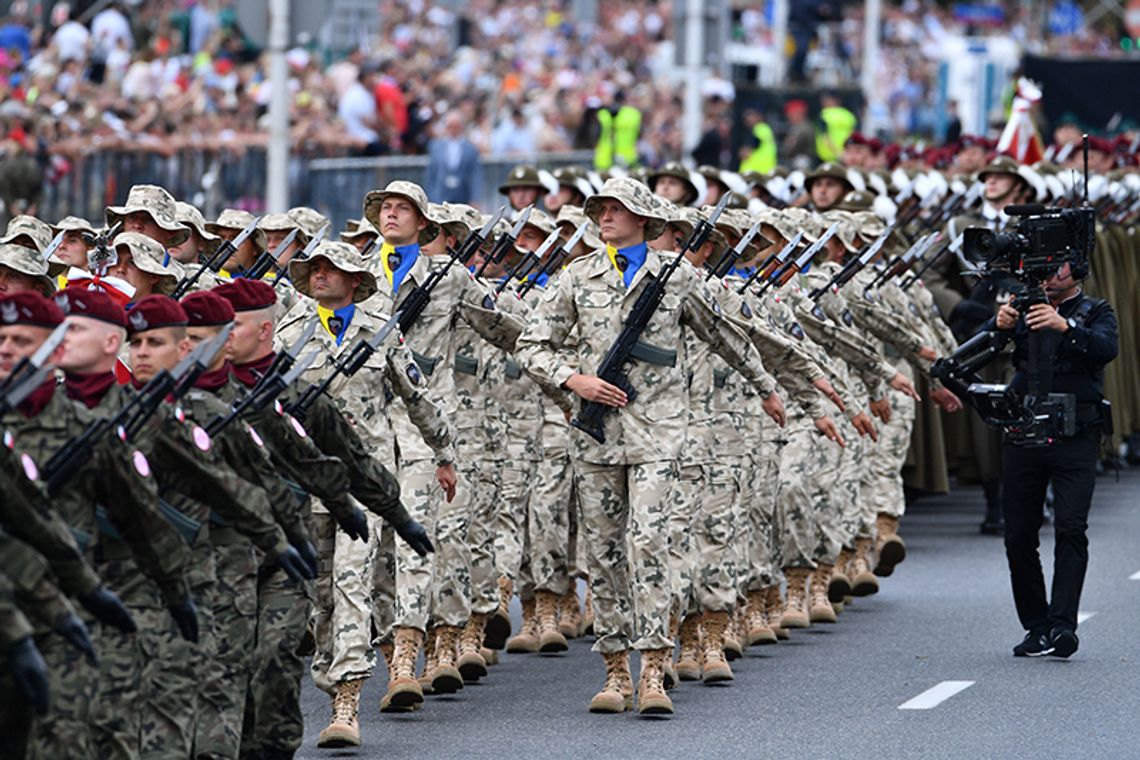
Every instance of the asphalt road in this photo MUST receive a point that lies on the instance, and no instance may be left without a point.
(943, 622)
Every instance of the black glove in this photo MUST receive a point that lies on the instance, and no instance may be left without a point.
(308, 553)
(355, 525)
(29, 671)
(105, 605)
(295, 565)
(75, 633)
(416, 537)
(185, 614)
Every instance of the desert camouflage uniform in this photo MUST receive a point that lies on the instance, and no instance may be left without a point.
(624, 485)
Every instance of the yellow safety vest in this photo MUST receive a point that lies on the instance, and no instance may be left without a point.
(618, 138)
(838, 123)
(763, 159)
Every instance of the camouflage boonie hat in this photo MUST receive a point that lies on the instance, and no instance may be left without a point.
(26, 261)
(869, 224)
(191, 217)
(848, 232)
(523, 175)
(692, 217)
(33, 232)
(147, 254)
(570, 218)
(1002, 165)
(308, 219)
(677, 171)
(354, 229)
(739, 222)
(73, 224)
(155, 201)
(280, 222)
(856, 201)
(412, 192)
(541, 221)
(460, 218)
(636, 198)
(835, 171)
(344, 257)
(238, 220)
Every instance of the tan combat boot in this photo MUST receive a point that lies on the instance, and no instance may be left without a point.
(445, 677)
(840, 584)
(404, 690)
(651, 696)
(490, 656)
(471, 664)
(775, 612)
(796, 610)
(733, 647)
(819, 608)
(689, 659)
(498, 627)
(863, 581)
(386, 650)
(526, 640)
(889, 547)
(759, 632)
(569, 614)
(617, 693)
(429, 659)
(587, 626)
(550, 639)
(714, 664)
(344, 728)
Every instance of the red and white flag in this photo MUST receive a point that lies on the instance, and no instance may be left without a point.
(1020, 138)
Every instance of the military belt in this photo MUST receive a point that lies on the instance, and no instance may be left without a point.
(187, 526)
(464, 365)
(426, 363)
(720, 377)
(647, 352)
(513, 370)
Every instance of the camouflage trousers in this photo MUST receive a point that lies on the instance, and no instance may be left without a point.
(803, 462)
(170, 673)
(840, 492)
(341, 616)
(273, 719)
(222, 696)
(552, 508)
(383, 583)
(885, 460)
(625, 523)
(486, 504)
(511, 529)
(759, 499)
(438, 585)
(682, 548)
(66, 731)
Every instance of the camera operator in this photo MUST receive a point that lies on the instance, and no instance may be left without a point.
(1083, 333)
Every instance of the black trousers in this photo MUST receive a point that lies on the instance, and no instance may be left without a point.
(1071, 465)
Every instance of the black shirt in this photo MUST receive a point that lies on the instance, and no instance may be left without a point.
(1082, 352)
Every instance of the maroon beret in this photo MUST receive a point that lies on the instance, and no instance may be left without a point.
(857, 138)
(1099, 143)
(154, 312)
(28, 308)
(247, 295)
(96, 304)
(207, 308)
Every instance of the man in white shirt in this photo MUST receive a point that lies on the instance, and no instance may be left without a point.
(357, 111)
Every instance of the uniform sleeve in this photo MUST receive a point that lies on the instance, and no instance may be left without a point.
(537, 348)
(850, 347)
(705, 316)
(26, 512)
(497, 326)
(14, 625)
(129, 493)
(32, 581)
(408, 383)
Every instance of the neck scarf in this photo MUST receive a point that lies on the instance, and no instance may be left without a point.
(250, 372)
(88, 388)
(627, 260)
(39, 399)
(398, 261)
(214, 379)
(336, 321)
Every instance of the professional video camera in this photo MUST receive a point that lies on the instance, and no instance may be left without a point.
(1023, 258)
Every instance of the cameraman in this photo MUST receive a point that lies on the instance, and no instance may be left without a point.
(1083, 334)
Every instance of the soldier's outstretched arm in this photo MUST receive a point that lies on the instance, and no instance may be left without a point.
(537, 348)
(476, 307)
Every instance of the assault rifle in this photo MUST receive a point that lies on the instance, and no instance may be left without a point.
(901, 263)
(797, 264)
(733, 254)
(215, 263)
(554, 259)
(505, 242)
(772, 263)
(853, 265)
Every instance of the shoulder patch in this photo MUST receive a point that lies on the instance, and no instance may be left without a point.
(142, 466)
(797, 331)
(817, 312)
(298, 428)
(488, 302)
(414, 374)
(30, 470)
(848, 317)
(201, 438)
(9, 440)
(256, 438)
(745, 310)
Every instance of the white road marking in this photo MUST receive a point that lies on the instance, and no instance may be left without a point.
(936, 695)
(1083, 616)
(1135, 576)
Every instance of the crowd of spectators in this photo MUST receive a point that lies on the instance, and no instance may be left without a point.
(163, 75)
